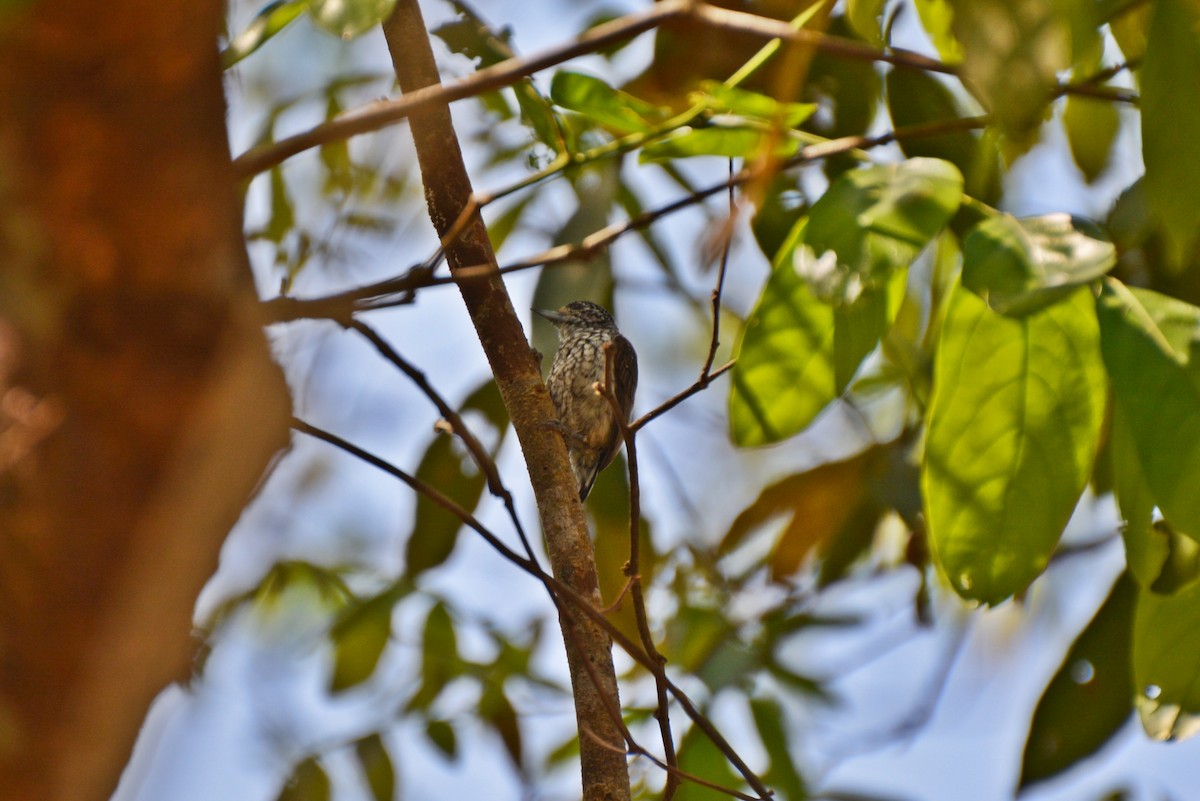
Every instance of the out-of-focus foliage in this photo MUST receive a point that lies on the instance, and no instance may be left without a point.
(1008, 351)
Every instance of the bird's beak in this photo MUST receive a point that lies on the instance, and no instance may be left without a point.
(552, 316)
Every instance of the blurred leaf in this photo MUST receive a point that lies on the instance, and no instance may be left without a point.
(782, 206)
(1145, 550)
(442, 735)
(918, 98)
(937, 18)
(495, 709)
(698, 756)
(1130, 27)
(1013, 424)
(272, 19)
(600, 102)
(848, 88)
(349, 18)
(718, 140)
(360, 636)
(1021, 266)
(724, 99)
(1166, 662)
(283, 214)
(308, 782)
(815, 505)
(335, 155)
(1092, 127)
(377, 767)
(608, 507)
(1148, 343)
(1091, 694)
(1170, 79)
(448, 468)
(1013, 51)
(693, 634)
(1182, 563)
(781, 775)
(866, 17)
(503, 225)
(440, 662)
(853, 540)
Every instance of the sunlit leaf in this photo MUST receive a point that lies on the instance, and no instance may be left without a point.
(1170, 100)
(283, 214)
(1013, 425)
(1149, 341)
(937, 17)
(1091, 694)
(446, 467)
(1146, 550)
(1166, 662)
(866, 17)
(308, 782)
(718, 140)
(1181, 566)
(359, 637)
(600, 102)
(349, 18)
(720, 98)
(1020, 266)
(377, 767)
(272, 19)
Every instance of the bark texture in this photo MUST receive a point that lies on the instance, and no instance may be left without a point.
(518, 375)
(138, 402)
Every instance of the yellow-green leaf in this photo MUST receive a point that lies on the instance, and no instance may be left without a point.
(1012, 432)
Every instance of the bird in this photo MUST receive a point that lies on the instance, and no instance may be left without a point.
(585, 416)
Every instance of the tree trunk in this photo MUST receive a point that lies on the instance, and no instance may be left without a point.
(518, 376)
(138, 403)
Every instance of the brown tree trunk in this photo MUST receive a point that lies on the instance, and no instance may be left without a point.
(518, 376)
(138, 403)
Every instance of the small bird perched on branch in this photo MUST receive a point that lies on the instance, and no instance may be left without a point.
(591, 430)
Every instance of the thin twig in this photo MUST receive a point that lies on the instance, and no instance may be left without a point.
(557, 590)
(483, 460)
(720, 287)
(680, 397)
(380, 114)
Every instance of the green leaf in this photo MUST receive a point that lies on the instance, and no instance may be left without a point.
(603, 104)
(448, 467)
(1091, 694)
(283, 213)
(877, 219)
(937, 17)
(440, 662)
(1013, 74)
(698, 756)
(866, 17)
(1170, 79)
(308, 782)
(360, 636)
(722, 99)
(1013, 425)
(1148, 342)
(442, 735)
(918, 98)
(497, 711)
(1020, 266)
(1182, 563)
(772, 731)
(1091, 127)
(272, 19)
(1166, 662)
(717, 140)
(835, 288)
(349, 18)
(1146, 550)
(377, 767)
